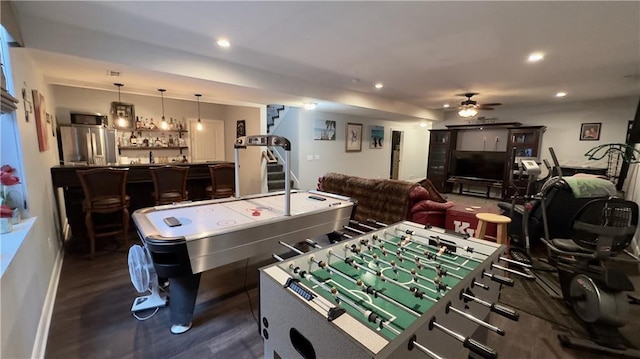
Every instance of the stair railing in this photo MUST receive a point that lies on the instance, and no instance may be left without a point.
(269, 157)
(277, 154)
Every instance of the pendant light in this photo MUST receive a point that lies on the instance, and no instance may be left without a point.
(199, 126)
(121, 121)
(163, 124)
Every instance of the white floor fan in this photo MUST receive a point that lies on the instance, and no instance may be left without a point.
(144, 278)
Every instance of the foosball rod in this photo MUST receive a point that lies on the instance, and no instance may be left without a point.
(521, 264)
(316, 245)
(436, 258)
(417, 293)
(472, 318)
(413, 343)
(496, 308)
(369, 289)
(467, 342)
(525, 275)
(362, 225)
(435, 291)
(438, 239)
(438, 287)
(497, 278)
(377, 223)
(418, 258)
(370, 314)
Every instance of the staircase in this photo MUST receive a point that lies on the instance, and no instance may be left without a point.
(275, 173)
(273, 113)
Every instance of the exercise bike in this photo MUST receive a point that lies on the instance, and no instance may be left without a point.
(602, 229)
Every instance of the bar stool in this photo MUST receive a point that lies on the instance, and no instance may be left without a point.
(170, 184)
(104, 193)
(222, 181)
(500, 222)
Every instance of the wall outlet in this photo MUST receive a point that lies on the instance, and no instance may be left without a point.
(317, 157)
(309, 157)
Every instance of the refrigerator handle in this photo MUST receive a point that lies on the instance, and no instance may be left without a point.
(90, 146)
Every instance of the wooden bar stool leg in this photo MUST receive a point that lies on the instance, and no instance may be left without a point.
(92, 238)
(502, 234)
(125, 226)
(481, 230)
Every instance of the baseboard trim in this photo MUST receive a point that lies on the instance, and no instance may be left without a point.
(42, 335)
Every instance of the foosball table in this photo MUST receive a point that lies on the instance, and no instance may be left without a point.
(397, 291)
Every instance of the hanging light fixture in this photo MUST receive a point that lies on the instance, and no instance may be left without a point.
(163, 124)
(121, 121)
(468, 111)
(199, 125)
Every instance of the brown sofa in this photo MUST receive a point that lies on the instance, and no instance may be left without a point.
(389, 201)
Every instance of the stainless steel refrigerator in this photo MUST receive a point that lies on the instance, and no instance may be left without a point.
(90, 144)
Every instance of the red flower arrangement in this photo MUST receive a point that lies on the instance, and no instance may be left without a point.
(7, 178)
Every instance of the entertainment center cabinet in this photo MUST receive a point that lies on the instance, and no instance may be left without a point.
(478, 155)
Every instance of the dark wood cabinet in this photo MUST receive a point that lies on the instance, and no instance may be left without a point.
(524, 141)
(441, 145)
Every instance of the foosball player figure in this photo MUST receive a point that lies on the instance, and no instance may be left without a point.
(414, 275)
(418, 263)
(375, 260)
(383, 250)
(334, 292)
(394, 268)
(440, 285)
(360, 284)
(442, 250)
(399, 255)
(405, 240)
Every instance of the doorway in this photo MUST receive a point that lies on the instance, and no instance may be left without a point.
(396, 141)
(207, 144)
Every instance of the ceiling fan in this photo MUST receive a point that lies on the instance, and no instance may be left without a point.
(470, 108)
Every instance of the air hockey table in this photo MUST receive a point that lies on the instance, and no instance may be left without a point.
(213, 233)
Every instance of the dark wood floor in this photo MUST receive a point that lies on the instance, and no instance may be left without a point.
(92, 318)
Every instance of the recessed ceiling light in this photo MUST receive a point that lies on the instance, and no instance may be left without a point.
(445, 105)
(423, 124)
(309, 106)
(223, 43)
(379, 85)
(561, 94)
(535, 57)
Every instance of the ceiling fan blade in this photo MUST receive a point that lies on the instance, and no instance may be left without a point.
(485, 108)
(491, 104)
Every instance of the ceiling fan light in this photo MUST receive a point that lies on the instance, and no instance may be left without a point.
(467, 111)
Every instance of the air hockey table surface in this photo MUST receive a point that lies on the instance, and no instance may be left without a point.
(219, 232)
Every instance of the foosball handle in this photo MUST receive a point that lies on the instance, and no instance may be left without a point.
(480, 349)
(502, 280)
(505, 312)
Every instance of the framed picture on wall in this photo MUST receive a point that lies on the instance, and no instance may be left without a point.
(41, 120)
(354, 137)
(123, 115)
(377, 136)
(590, 131)
(241, 128)
(324, 130)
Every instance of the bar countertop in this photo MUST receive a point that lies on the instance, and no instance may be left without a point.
(65, 175)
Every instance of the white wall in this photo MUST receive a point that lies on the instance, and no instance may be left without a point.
(25, 285)
(370, 163)
(563, 122)
(250, 160)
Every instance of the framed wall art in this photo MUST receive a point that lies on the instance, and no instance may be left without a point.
(324, 130)
(124, 111)
(354, 137)
(590, 131)
(41, 121)
(377, 136)
(241, 128)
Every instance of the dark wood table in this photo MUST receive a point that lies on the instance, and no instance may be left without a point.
(139, 188)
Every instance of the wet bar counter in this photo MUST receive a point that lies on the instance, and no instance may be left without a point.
(139, 188)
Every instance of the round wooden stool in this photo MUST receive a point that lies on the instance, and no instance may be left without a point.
(501, 224)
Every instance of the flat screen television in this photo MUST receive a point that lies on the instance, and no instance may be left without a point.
(482, 165)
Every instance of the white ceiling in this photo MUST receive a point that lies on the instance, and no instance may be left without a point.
(333, 52)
